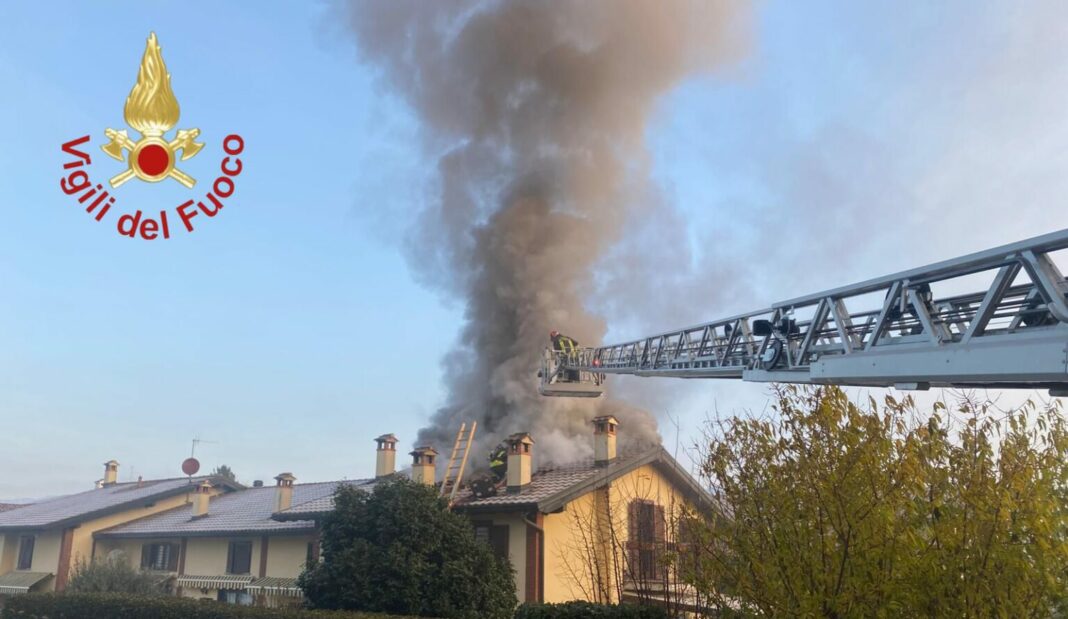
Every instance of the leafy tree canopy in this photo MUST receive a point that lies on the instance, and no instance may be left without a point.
(400, 550)
(224, 471)
(836, 509)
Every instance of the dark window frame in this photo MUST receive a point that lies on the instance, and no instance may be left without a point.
(496, 535)
(160, 556)
(234, 560)
(25, 558)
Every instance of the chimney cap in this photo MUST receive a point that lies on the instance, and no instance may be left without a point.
(204, 486)
(521, 437)
(110, 463)
(424, 450)
(608, 418)
(387, 438)
(283, 477)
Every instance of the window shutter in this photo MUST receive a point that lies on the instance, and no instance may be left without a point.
(25, 552)
(661, 525)
(634, 513)
(172, 557)
(498, 539)
(146, 556)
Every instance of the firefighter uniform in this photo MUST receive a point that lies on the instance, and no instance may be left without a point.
(499, 461)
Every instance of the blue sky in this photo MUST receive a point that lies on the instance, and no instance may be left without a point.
(852, 139)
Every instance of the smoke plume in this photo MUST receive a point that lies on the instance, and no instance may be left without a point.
(535, 113)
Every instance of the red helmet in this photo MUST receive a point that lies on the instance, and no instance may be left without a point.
(554, 333)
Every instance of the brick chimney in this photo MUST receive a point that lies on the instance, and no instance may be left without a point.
(201, 497)
(111, 472)
(283, 492)
(423, 463)
(519, 465)
(604, 439)
(386, 455)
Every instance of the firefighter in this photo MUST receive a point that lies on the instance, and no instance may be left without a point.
(568, 346)
(563, 343)
(498, 459)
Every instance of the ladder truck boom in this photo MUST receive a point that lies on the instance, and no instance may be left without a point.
(1011, 334)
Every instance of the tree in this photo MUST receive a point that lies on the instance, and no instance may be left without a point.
(400, 550)
(112, 576)
(835, 509)
(225, 472)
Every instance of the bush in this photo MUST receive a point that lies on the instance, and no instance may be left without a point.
(400, 550)
(125, 606)
(586, 610)
(112, 576)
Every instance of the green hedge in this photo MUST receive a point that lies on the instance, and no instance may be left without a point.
(586, 610)
(125, 606)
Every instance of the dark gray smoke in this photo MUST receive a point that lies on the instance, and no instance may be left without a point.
(535, 112)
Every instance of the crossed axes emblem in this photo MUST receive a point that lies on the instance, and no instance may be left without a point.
(152, 158)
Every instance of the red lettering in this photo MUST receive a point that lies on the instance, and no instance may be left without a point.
(226, 144)
(228, 171)
(103, 211)
(149, 228)
(68, 147)
(134, 221)
(186, 217)
(213, 200)
(229, 192)
(163, 220)
(68, 186)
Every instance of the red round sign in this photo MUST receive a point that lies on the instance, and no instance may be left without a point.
(190, 466)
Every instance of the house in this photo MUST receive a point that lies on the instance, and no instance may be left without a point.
(594, 530)
(40, 543)
(227, 547)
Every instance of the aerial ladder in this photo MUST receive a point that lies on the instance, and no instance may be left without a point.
(1012, 333)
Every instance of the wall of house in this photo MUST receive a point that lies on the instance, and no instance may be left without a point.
(82, 546)
(286, 555)
(45, 551)
(592, 531)
(131, 549)
(206, 556)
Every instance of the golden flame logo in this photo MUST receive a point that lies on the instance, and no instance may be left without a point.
(152, 110)
(151, 107)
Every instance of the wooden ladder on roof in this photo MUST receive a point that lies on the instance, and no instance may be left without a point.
(454, 474)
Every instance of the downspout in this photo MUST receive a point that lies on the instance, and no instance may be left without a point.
(539, 532)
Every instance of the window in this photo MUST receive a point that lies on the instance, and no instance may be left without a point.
(646, 543)
(239, 558)
(160, 557)
(25, 552)
(496, 535)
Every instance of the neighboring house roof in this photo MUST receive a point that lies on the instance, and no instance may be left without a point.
(247, 511)
(553, 487)
(9, 506)
(63, 511)
(319, 506)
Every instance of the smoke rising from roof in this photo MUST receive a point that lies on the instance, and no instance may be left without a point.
(536, 113)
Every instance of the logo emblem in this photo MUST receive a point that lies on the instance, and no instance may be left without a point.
(152, 110)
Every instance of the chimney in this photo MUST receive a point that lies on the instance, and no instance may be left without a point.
(604, 439)
(423, 459)
(257, 483)
(111, 472)
(201, 496)
(519, 466)
(386, 460)
(283, 494)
